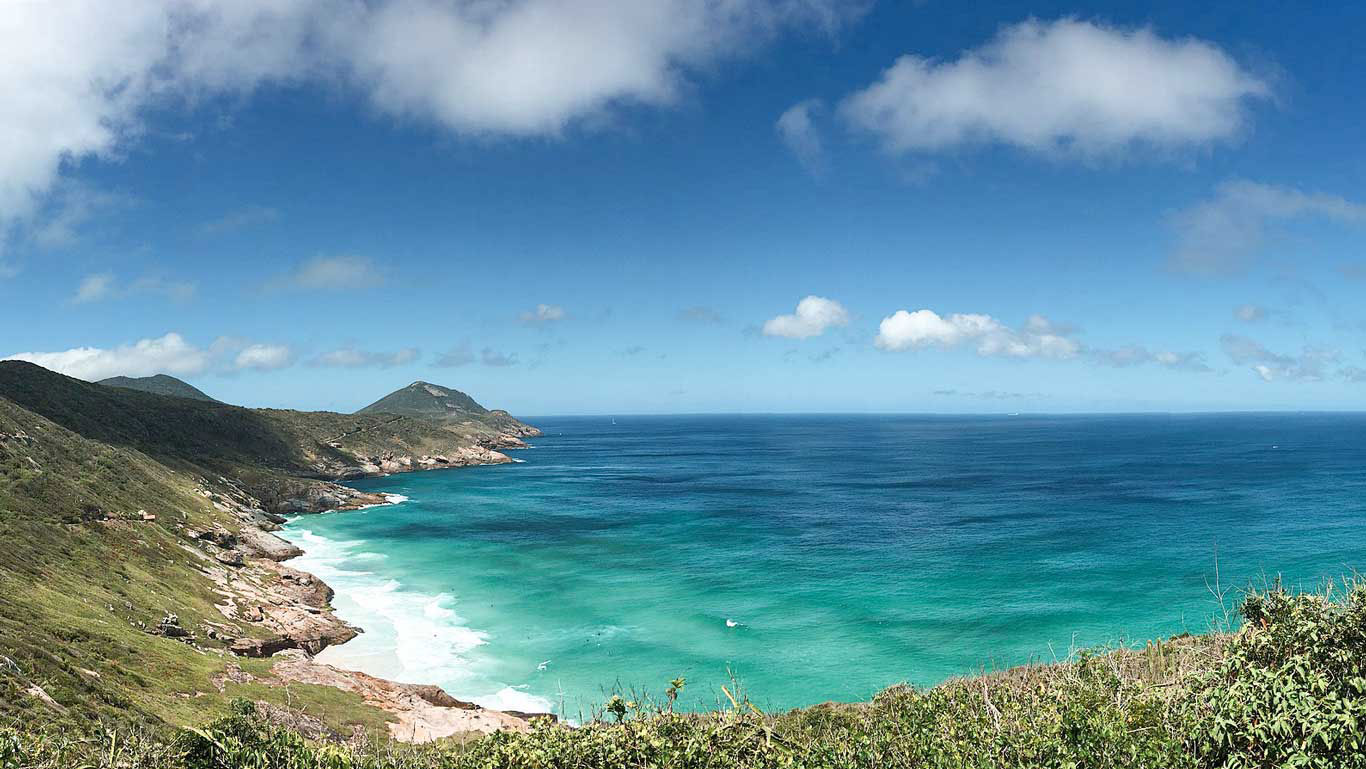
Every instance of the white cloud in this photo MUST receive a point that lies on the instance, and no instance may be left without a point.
(169, 354)
(264, 357)
(350, 357)
(533, 67)
(93, 288)
(799, 133)
(1311, 364)
(542, 314)
(1038, 338)
(1221, 234)
(814, 315)
(1061, 86)
(330, 273)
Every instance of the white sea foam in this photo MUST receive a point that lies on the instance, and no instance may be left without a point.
(410, 636)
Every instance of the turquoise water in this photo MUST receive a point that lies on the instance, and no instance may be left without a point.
(824, 558)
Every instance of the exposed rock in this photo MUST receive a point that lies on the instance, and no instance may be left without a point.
(260, 647)
(418, 718)
(229, 557)
(219, 536)
(306, 587)
(438, 696)
(267, 545)
(169, 626)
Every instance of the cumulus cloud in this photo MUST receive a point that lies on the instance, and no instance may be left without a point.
(330, 273)
(1310, 364)
(1222, 234)
(814, 315)
(1038, 338)
(799, 132)
(542, 314)
(168, 354)
(264, 357)
(350, 357)
(528, 68)
(1067, 86)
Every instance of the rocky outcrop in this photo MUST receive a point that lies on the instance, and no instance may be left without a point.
(422, 713)
(266, 545)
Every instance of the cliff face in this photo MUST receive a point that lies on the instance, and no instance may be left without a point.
(139, 575)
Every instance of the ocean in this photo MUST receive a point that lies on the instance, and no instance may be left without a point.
(816, 558)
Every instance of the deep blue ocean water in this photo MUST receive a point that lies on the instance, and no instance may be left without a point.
(820, 558)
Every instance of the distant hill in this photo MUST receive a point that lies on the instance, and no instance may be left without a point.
(161, 384)
(424, 399)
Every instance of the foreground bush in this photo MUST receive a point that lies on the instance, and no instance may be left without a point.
(1287, 690)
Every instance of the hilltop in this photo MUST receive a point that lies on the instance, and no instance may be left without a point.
(161, 384)
(424, 399)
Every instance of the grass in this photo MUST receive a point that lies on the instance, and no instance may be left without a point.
(1288, 689)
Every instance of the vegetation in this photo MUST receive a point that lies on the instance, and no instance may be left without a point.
(161, 384)
(99, 487)
(1286, 690)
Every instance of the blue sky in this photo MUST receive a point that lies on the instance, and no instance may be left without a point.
(610, 207)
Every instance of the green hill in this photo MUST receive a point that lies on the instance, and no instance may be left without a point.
(161, 384)
(424, 399)
(276, 452)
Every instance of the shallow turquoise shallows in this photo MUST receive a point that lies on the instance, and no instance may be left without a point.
(821, 558)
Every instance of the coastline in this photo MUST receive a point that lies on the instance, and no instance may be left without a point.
(295, 606)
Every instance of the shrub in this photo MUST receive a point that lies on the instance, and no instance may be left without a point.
(1291, 687)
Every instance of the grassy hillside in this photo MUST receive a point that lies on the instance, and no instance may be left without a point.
(269, 449)
(160, 384)
(94, 554)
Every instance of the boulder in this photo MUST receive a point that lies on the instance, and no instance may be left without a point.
(267, 545)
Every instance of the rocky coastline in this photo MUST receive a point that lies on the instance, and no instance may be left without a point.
(272, 610)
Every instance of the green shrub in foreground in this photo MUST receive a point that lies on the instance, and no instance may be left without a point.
(1291, 687)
